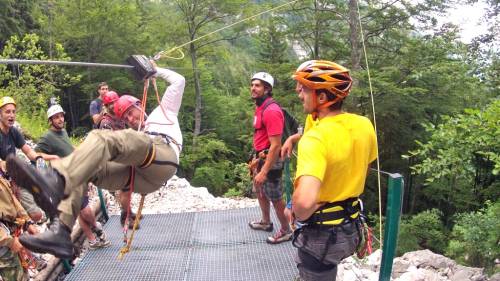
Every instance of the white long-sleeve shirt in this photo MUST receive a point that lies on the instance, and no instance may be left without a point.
(171, 101)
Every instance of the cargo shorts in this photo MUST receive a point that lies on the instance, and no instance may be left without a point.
(318, 254)
(272, 188)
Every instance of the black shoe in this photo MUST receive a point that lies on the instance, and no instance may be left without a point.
(131, 220)
(56, 241)
(46, 186)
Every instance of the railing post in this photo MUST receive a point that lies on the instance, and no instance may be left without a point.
(393, 217)
(287, 181)
(103, 205)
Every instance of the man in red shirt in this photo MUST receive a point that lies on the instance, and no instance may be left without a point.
(267, 169)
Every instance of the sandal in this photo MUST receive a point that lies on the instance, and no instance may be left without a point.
(260, 225)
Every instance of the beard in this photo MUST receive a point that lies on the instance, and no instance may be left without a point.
(260, 100)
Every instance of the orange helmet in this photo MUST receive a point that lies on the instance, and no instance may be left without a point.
(325, 75)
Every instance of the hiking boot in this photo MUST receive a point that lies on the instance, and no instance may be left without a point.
(131, 220)
(99, 243)
(260, 225)
(280, 236)
(56, 240)
(47, 186)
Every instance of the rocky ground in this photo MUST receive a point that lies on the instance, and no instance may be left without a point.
(179, 196)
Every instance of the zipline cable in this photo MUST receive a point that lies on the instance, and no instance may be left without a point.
(71, 63)
(161, 54)
(374, 124)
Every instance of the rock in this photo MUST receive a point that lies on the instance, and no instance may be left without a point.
(495, 277)
(426, 259)
(419, 274)
(463, 273)
(399, 267)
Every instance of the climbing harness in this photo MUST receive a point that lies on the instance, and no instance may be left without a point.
(331, 218)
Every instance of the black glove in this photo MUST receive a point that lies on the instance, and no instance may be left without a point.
(143, 69)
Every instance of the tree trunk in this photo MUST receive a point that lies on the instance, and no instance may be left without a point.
(71, 112)
(197, 90)
(316, 31)
(354, 35)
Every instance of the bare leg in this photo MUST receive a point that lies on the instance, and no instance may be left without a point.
(88, 216)
(264, 207)
(86, 229)
(124, 199)
(279, 208)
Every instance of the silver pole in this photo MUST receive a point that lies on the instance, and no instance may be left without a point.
(70, 63)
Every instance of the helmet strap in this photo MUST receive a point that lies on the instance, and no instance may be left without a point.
(322, 106)
(138, 106)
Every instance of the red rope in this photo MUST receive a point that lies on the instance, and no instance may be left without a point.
(132, 169)
(27, 259)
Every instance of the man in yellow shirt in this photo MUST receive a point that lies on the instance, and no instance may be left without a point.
(333, 158)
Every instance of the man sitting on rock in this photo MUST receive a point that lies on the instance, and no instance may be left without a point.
(110, 159)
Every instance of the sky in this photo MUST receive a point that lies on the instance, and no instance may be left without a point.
(468, 18)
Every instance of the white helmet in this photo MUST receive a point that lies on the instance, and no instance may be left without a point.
(53, 110)
(264, 76)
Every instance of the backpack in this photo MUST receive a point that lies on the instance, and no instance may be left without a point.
(291, 126)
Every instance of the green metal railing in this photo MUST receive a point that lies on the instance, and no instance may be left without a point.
(103, 205)
(287, 181)
(393, 217)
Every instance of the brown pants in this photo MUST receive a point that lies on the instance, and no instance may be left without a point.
(105, 158)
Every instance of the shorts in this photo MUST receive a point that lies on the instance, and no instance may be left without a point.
(273, 189)
(273, 186)
(28, 201)
(320, 251)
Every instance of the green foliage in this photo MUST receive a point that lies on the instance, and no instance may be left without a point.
(207, 164)
(475, 237)
(16, 18)
(33, 125)
(461, 159)
(243, 180)
(422, 231)
(33, 85)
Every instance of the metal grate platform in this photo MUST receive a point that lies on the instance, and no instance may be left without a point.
(216, 245)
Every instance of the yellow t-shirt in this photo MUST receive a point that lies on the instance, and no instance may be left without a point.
(337, 151)
(309, 123)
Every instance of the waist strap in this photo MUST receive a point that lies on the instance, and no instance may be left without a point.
(335, 213)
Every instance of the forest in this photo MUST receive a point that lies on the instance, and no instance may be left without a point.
(436, 98)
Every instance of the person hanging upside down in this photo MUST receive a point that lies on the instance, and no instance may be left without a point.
(109, 159)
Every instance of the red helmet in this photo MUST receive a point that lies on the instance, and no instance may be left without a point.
(110, 97)
(124, 103)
